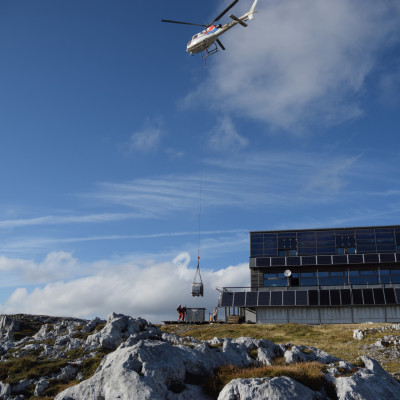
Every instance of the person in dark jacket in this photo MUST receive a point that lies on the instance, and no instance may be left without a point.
(180, 314)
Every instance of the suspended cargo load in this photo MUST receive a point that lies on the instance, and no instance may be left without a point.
(197, 285)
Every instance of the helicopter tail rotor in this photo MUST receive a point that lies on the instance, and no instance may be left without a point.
(238, 20)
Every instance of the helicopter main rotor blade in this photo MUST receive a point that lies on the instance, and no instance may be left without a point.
(220, 44)
(183, 23)
(223, 13)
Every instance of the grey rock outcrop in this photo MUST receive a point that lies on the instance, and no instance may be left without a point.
(118, 327)
(307, 353)
(40, 387)
(358, 334)
(267, 388)
(5, 390)
(142, 362)
(370, 382)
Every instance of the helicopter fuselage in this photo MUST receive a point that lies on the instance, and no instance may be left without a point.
(204, 39)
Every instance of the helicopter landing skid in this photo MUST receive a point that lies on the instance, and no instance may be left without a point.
(210, 51)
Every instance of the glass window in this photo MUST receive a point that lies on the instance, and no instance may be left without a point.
(395, 271)
(331, 281)
(308, 279)
(395, 279)
(346, 250)
(384, 272)
(384, 276)
(276, 280)
(358, 280)
(287, 252)
(366, 248)
(372, 280)
(385, 279)
(308, 282)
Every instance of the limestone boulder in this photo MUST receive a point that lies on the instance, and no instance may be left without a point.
(5, 390)
(118, 327)
(358, 334)
(368, 383)
(267, 388)
(307, 353)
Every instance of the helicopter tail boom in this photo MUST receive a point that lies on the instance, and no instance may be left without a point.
(252, 11)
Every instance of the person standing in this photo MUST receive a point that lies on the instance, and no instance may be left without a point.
(180, 314)
(215, 313)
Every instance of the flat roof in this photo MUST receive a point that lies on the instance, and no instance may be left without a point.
(327, 229)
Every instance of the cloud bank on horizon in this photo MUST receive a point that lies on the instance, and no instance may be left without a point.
(302, 62)
(148, 289)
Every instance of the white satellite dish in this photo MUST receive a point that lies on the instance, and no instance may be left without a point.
(287, 273)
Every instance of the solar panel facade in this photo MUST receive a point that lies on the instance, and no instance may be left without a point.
(289, 298)
(239, 299)
(325, 298)
(251, 299)
(227, 299)
(264, 298)
(276, 298)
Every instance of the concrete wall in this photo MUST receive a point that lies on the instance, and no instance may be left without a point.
(327, 315)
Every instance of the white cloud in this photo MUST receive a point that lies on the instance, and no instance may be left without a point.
(274, 178)
(302, 62)
(147, 139)
(56, 265)
(67, 219)
(138, 288)
(224, 137)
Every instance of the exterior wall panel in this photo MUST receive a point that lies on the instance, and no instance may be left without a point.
(327, 315)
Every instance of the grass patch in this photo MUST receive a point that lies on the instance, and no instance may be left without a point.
(310, 374)
(91, 364)
(26, 329)
(335, 339)
(57, 386)
(253, 354)
(13, 371)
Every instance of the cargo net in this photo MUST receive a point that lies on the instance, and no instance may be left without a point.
(197, 285)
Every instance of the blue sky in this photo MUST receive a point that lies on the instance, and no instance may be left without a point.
(109, 130)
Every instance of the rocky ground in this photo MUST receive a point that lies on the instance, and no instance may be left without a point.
(386, 348)
(128, 358)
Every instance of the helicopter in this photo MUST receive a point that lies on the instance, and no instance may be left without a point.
(203, 40)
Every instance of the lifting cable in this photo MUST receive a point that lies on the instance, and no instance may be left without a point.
(197, 285)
